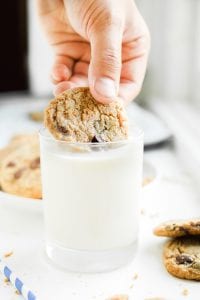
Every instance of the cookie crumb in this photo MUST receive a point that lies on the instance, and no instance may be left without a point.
(147, 180)
(17, 292)
(135, 276)
(119, 297)
(6, 280)
(8, 254)
(185, 292)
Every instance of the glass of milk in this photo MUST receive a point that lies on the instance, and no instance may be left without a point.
(91, 194)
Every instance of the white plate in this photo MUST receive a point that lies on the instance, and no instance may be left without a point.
(20, 204)
(35, 205)
(155, 131)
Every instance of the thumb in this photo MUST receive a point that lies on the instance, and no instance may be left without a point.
(105, 65)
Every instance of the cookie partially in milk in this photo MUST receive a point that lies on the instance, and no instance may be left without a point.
(182, 257)
(75, 116)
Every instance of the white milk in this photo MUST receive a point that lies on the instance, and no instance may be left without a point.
(91, 198)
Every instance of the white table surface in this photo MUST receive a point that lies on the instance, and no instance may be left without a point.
(172, 196)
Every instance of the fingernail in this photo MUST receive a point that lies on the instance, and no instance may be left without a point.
(57, 77)
(105, 87)
(60, 73)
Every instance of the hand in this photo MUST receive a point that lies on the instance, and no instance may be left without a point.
(100, 43)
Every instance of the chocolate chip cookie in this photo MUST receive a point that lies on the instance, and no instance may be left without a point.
(178, 228)
(20, 171)
(75, 116)
(23, 138)
(15, 143)
(182, 257)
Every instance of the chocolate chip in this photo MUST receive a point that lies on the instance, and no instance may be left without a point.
(197, 224)
(62, 129)
(183, 230)
(19, 173)
(35, 163)
(183, 259)
(54, 116)
(11, 164)
(96, 139)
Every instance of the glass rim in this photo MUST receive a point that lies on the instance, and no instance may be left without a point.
(138, 136)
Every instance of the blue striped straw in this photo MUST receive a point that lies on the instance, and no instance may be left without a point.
(17, 283)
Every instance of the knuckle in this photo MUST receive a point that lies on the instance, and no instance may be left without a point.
(108, 19)
(112, 19)
(110, 60)
(111, 56)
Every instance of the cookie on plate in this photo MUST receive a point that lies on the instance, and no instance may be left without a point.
(178, 228)
(182, 257)
(20, 172)
(15, 143)
(24, 138)
(75, 116)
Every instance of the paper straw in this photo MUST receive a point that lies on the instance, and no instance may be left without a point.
(17, 283)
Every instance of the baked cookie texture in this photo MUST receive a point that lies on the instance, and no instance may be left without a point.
(20, 167)
(16, 142)
(182, 257)
(75, 116)
(178, 228)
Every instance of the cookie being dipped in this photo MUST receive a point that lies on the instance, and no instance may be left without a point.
(75, 116)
